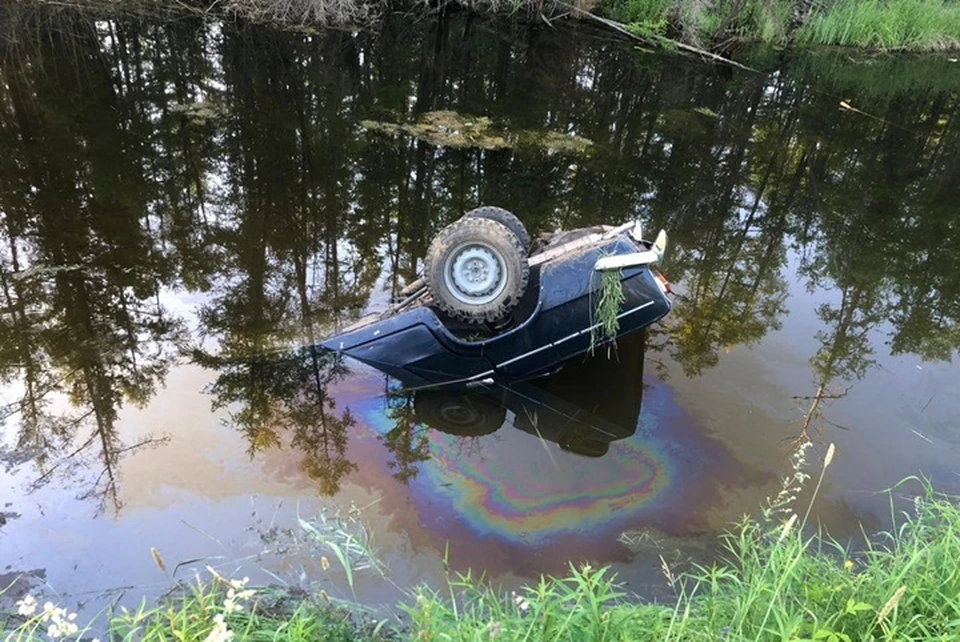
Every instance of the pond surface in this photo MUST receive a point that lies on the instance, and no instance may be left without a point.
(187, 208)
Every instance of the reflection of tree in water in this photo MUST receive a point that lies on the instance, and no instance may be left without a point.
(286, 392)
(407, 440)
(883, 252)
(227, 160)
(81, 324)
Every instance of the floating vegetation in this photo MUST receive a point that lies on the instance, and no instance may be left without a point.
(463, 131)
(706, 111)
(552, 141)
(446, 129)
(199, 111)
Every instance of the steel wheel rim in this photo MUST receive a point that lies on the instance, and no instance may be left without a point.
(474, 273)
(459, 414)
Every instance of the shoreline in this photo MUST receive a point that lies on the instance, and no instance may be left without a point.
(782, 578)
(856, 26)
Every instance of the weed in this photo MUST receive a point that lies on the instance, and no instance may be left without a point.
(347, 537)
(606, 323)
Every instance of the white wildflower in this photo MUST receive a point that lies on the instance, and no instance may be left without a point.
(61, 622)
(27, 606)
(237, 594)
(240, 584)
(219, 632)
(240, 596)
(230, 606)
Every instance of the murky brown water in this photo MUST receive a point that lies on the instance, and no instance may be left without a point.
(185, 209)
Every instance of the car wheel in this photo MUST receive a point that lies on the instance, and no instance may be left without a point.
(505, 218)
(458, 414)
(476, 270)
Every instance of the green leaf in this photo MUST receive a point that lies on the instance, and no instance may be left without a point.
(853, 607)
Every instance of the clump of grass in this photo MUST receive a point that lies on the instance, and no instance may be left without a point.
(586, 605)
(217, 610)
(922, 25)
(913, 25)
(202, 615)
(347, 538)
(644, 17)
(610, 299)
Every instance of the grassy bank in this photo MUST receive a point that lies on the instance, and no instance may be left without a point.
(909, 25)
(718, 25)
(778, 581)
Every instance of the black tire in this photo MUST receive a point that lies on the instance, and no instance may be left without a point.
(574, 442)
(459, 414)
(476, 270)
(505, 218)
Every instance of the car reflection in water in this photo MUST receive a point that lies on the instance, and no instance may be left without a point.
(525, 477)
(583, 407)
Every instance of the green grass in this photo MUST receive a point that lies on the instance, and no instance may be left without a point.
(909, 25)
(208, 613)
(918, 25)
(610, 298)
(779, 580)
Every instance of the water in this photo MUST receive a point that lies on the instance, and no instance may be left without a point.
(186, 208)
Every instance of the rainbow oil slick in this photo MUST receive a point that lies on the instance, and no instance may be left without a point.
(512, 501)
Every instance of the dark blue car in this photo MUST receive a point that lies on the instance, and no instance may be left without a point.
(552, 321)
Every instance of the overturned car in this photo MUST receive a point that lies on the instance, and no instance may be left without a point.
(489, 307)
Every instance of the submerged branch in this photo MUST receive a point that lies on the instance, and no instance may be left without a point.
(620, 28)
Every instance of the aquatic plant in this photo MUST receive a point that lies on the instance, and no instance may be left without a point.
(464, 131)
